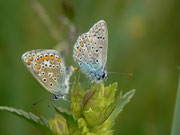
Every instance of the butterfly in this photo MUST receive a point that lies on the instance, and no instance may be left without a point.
(90, 52)
(48, 67)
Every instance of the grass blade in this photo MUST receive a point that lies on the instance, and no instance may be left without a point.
(176, 121)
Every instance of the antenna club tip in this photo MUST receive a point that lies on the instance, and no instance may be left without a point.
(130, 74)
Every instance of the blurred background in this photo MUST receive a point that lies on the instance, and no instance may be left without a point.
(143, 40)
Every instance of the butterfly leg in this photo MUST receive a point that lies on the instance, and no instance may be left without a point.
(64, 98)
(55, 97)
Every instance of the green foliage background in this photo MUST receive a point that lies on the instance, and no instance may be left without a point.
(143, 39)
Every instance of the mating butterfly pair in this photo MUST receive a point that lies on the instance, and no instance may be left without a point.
(90, 52)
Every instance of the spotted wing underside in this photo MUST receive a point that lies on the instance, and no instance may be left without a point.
(47, 66)
(90, 50)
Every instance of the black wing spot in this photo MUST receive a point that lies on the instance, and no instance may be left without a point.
(97, 51)
(44, 79)
(50, 84)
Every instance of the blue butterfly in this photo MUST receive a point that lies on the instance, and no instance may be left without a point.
(90, 52)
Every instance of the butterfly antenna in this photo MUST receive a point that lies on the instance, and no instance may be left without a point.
(36, 103)
(128, 74)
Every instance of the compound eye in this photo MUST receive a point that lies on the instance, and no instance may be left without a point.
(55, 97)
(103, 76)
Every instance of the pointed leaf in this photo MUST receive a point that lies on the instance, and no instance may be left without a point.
(72, 124)
(39, 122)
(99, 103)
(122, 102)
(77, 94)
(59, 125)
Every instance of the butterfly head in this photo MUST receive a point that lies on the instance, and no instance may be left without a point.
(56, 97)
(99, 76)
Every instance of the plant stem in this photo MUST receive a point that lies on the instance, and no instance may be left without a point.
(176, 121)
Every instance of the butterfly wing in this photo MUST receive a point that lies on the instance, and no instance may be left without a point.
(90, 50)
(47, 66)
(100, 34)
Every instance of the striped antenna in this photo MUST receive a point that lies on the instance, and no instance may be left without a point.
(128, 74)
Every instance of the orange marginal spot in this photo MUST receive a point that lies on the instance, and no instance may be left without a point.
(52, 57)
(83, 41)
(37, 72)
(58, 59)
(38, 66)
(86, 39)
(38, 61)
(42, 58)
(130, 74)
(28, 62)
(47, 57)
(31, 58)
(81, 44)
(77, 55)
(79, 49)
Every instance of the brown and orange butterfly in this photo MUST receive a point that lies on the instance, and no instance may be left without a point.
(48, 67)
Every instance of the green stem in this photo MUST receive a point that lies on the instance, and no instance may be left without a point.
(176, 120)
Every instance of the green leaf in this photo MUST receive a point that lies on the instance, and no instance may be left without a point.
(103, 129)
(39, 122)
(77, 94)
(64, 112)
(176, 120)
(98, 105)
(115, 108)
(122, 101)
(72, 124)
(59, 125)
